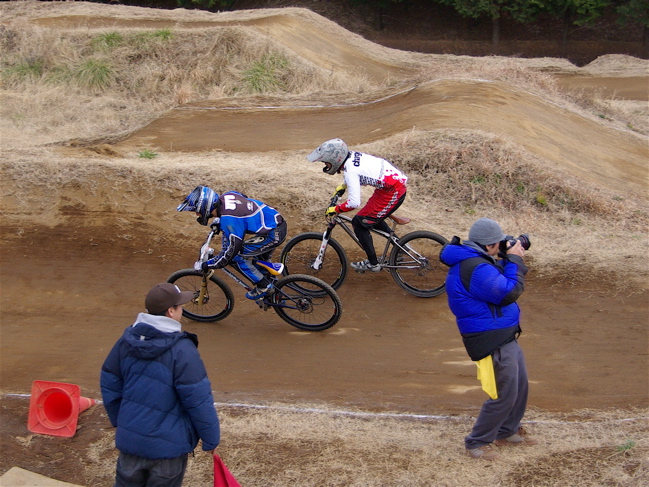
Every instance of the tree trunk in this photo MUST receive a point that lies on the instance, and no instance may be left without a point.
(495, 35)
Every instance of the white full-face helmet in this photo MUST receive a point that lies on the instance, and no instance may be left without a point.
(333, 153)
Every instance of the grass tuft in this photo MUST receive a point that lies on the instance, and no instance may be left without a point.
(24, 71)
(266, 75)
(628, 445)
(147, 154)
(107, 41)
(95, 75)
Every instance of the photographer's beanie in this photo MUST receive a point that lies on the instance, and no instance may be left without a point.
(486, 231)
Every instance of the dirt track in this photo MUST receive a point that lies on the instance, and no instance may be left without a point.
(68, 292)
(612, 159)
(405, 355)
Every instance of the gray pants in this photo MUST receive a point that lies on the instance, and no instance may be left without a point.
(134, 471)
(500, 418)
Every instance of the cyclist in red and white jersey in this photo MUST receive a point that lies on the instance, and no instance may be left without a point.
(362, 169)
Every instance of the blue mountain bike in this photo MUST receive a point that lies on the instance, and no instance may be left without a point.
(305, 302)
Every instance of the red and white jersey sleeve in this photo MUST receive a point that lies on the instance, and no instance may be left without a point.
(366, 170)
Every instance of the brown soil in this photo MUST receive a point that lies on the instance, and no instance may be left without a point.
(619, 167)
(69, 291)
(86, 287)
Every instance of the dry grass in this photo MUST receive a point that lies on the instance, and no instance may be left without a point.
(312, 446)
(62, 85)
(455, 176)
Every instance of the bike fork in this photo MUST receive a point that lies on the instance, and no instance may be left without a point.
(202, 294)
(317, 263)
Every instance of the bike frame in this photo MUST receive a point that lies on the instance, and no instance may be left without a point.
(204, 255)
(391, 241)
(206, 277)
(345, 222)
(236, 279)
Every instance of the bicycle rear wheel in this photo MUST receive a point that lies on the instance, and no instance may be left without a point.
(301, 251)
(415, 264)
(217, 303)
(306, 302)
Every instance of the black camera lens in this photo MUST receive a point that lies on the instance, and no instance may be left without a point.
(524, 240)
(510, 241)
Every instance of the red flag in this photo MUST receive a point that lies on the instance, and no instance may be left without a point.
(222, 476)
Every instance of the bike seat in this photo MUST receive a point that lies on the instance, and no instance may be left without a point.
(400, 220)
(275, 269)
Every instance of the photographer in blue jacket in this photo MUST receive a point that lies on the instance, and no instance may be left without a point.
(482, 292)
(156, 392)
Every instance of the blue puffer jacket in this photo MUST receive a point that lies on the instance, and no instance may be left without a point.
(482, 295)
(156, 392)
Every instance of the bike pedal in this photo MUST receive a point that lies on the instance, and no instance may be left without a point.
(262, 303)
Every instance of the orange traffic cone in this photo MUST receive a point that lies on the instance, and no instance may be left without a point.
(54, 408)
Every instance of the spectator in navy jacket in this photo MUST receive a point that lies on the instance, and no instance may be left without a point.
(156, 392)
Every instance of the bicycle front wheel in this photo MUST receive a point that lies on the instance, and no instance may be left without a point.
(415, 264)
(300, 253)
(306, 302)
(217, 303)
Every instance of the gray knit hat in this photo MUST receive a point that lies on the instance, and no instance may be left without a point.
(485, 231)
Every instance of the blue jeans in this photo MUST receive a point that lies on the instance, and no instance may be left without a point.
(134, 471)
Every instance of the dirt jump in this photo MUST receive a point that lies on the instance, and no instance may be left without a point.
(71, 284)
(91, 231)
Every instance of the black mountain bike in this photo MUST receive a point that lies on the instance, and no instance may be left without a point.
(304, 301)
(412, 260)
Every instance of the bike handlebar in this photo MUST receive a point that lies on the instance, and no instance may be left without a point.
(332, 202)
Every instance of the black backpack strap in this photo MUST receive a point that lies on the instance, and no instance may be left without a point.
(467, 267)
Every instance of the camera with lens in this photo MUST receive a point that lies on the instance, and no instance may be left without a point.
(509, 241)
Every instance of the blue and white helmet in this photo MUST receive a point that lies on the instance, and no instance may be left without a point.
(203, 201)
(333, 153)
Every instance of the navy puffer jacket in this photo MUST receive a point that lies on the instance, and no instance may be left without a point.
(156, 392)
(482, 295)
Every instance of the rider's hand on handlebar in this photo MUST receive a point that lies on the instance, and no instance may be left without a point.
(340, 190)
(205, 266)
(331, 211)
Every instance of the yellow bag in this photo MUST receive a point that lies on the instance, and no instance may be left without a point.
(487, 377)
